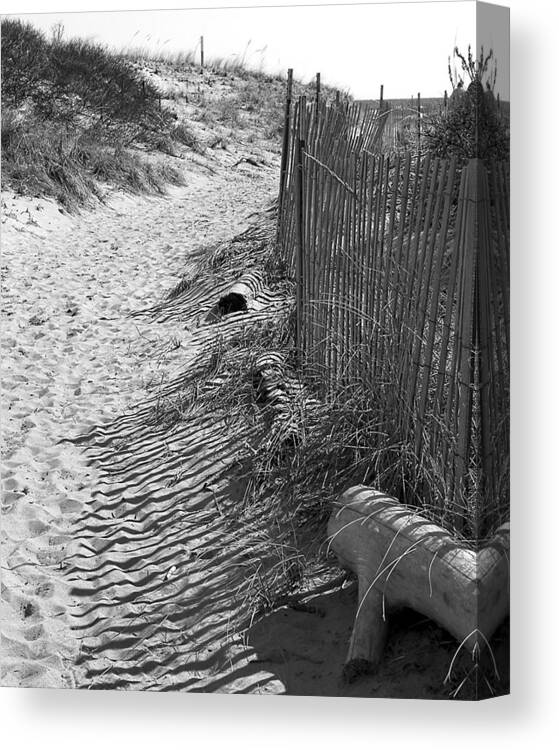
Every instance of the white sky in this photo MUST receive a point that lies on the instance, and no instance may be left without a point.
(404, 46)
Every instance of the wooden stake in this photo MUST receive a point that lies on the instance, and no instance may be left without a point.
(202, 53)
(381, 102)
(300, 150)
(418, 120)
(285, 147)
(317, 89)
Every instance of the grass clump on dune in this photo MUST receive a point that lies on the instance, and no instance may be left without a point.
(258, 102)
(39, 159)
(72, 113)
(228, 91)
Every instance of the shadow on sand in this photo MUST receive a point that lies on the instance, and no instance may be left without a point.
(305, 648)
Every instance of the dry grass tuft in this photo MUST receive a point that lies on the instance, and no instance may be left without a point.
(39, 159)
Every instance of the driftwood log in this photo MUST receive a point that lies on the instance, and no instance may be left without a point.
(401, 559)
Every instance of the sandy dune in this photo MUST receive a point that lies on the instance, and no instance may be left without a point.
(74, 356)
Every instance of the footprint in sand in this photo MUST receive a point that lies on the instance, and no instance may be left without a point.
(72, 358)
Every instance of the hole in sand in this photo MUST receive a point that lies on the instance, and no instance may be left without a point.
(231, 303)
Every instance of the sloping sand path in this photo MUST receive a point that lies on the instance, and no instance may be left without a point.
(73, 357)
(126, 571)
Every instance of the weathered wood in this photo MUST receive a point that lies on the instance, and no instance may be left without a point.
(384, 252)
(285, 147)
(300, 214)
(419, 122)
(402, 559)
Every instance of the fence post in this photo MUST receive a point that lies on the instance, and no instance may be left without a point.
(381, 101)
(285, 149)
(317, 89)
(482, 355)
(445, 100)
(418, 121)
(299, 219)
(201, 53)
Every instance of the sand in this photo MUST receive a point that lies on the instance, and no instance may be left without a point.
(73, 357)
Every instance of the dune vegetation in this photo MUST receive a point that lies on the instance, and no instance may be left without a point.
(78, 117)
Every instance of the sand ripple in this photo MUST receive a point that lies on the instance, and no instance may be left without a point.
(102, 554)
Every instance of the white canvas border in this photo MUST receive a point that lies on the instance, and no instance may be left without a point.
(45, 719)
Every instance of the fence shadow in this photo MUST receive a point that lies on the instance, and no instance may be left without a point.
(305, 648)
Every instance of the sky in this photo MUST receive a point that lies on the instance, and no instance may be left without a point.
(404, 46)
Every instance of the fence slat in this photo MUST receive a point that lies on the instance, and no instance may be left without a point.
(401, 270)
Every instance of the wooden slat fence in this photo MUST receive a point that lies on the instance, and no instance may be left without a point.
(401, 270)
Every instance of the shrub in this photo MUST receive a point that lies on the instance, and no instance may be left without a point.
(472, 126)
(24, 62)
(73, 80)
(70, 110)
